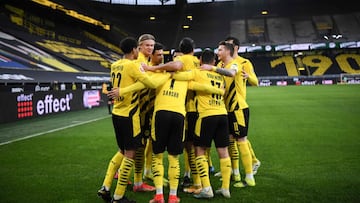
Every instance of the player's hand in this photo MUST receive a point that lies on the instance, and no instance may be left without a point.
(244, 74)
(114, 93)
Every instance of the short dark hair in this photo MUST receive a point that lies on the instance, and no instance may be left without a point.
(186, 45)
(207, 56)
(157, 46)
(128, 44)
(228, 46)
(235, 40)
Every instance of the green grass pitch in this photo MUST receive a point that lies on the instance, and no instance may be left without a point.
(307, 138)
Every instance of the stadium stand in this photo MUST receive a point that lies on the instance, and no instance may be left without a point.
(57, 45)
(280, 30)
(304, 30)
(238, 28)
(77, 46)
(347, 25)
(324, 25)
(256, 31)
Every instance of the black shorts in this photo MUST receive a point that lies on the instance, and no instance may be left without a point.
(168, 132)
(191, 118)
(124, 133)
(213, 128)
(239, 122)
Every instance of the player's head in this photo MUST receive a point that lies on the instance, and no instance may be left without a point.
(157, 56)
(146, 44)
(186, 45)
(207, 57)
(176, 53)
(225, 49)
(129, 44)
(233, 40)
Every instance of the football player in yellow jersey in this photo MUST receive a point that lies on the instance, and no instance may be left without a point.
(157, 57)
(250, 75)
(146, 47)
(186, 182)
(146, 42)
(237, 107)
(184, 62)
(212, 124)
(125, 115)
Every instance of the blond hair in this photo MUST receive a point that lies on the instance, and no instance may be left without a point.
(144, 37)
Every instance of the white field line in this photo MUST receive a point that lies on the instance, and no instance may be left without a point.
(50, 131)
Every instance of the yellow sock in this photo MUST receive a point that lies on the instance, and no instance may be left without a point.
(139, 165)
(253, 156)
(234, 154)
(173, 172)
(148, 156)
(186, 162)
(158, 171)
(194, 172)
(113, 166)
(225, 168)
(245, 156)
(203, 169)
(124, 175)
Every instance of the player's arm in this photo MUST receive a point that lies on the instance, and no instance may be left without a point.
(221, 71)
(205, 88)
(252, 78)
(169, 66)
(184, 75)
(150, 80)
(131, 88)
(155, 80)
(117, 92)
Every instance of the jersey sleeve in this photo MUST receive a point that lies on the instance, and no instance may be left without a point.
(184, 75)
(249, 69)
(131, 88)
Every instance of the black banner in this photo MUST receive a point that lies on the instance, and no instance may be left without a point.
(29, 104)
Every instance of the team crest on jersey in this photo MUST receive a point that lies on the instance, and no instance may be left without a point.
(234, 66)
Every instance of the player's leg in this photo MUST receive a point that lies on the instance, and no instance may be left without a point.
(175, 149)
(128, 141)
(113, 167)
(243, 146)
(189, 146)
(221, 140)
(159, 133)
(148, 160)
(255, 161)
(208, 156)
